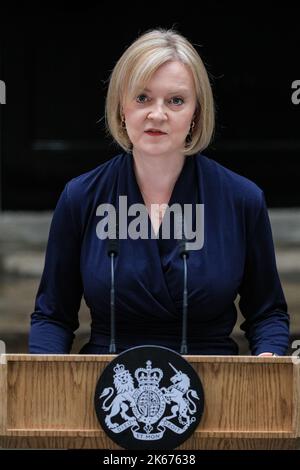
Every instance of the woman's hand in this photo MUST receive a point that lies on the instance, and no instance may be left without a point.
(267, 354)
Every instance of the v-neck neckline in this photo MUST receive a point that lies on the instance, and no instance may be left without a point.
(172, 199)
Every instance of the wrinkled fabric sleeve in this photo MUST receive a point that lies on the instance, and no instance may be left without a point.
(262, 302)
(55, 316)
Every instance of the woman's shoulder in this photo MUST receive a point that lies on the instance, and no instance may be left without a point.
(86, 182)
(218, 177)
(83, 193)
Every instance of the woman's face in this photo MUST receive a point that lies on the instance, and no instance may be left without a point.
(167, 104)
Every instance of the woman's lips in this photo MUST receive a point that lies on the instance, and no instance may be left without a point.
(155, 133)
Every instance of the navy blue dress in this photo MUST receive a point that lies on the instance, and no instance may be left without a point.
(237, 258)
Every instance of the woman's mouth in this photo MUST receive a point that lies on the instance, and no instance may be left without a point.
(155, 132)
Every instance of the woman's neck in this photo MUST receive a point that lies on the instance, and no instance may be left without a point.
(156, 176)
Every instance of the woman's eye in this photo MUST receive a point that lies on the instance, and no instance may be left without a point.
(141, 98)
(177, 101)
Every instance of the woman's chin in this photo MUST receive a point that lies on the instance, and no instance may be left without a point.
(154, 150)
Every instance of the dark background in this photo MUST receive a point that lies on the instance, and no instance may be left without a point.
(56, 61)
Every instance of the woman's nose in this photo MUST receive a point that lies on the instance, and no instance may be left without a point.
(158, 111)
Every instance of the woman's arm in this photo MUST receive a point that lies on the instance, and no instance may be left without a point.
(262, 301)
(55, 316)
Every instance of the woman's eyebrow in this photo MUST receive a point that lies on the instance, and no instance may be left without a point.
(179, 90)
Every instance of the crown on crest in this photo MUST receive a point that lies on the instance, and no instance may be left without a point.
(148, 376)
(119, 369)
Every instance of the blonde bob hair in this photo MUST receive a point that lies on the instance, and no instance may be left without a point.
(136, 67)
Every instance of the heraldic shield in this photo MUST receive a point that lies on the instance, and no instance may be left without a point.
(149, 397)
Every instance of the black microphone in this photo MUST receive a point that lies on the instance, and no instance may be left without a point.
(112, 251)
(184, 254)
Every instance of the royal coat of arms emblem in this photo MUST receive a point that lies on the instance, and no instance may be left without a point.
(137, 401)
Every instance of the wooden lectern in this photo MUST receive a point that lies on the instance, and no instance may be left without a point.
(47, 401)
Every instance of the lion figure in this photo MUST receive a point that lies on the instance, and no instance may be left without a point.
(124, 386)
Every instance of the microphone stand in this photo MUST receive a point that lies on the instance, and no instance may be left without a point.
(183, 349)
(112, 252)
(184, 255)
(112, 345)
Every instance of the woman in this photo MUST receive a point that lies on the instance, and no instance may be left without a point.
(160, 110)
